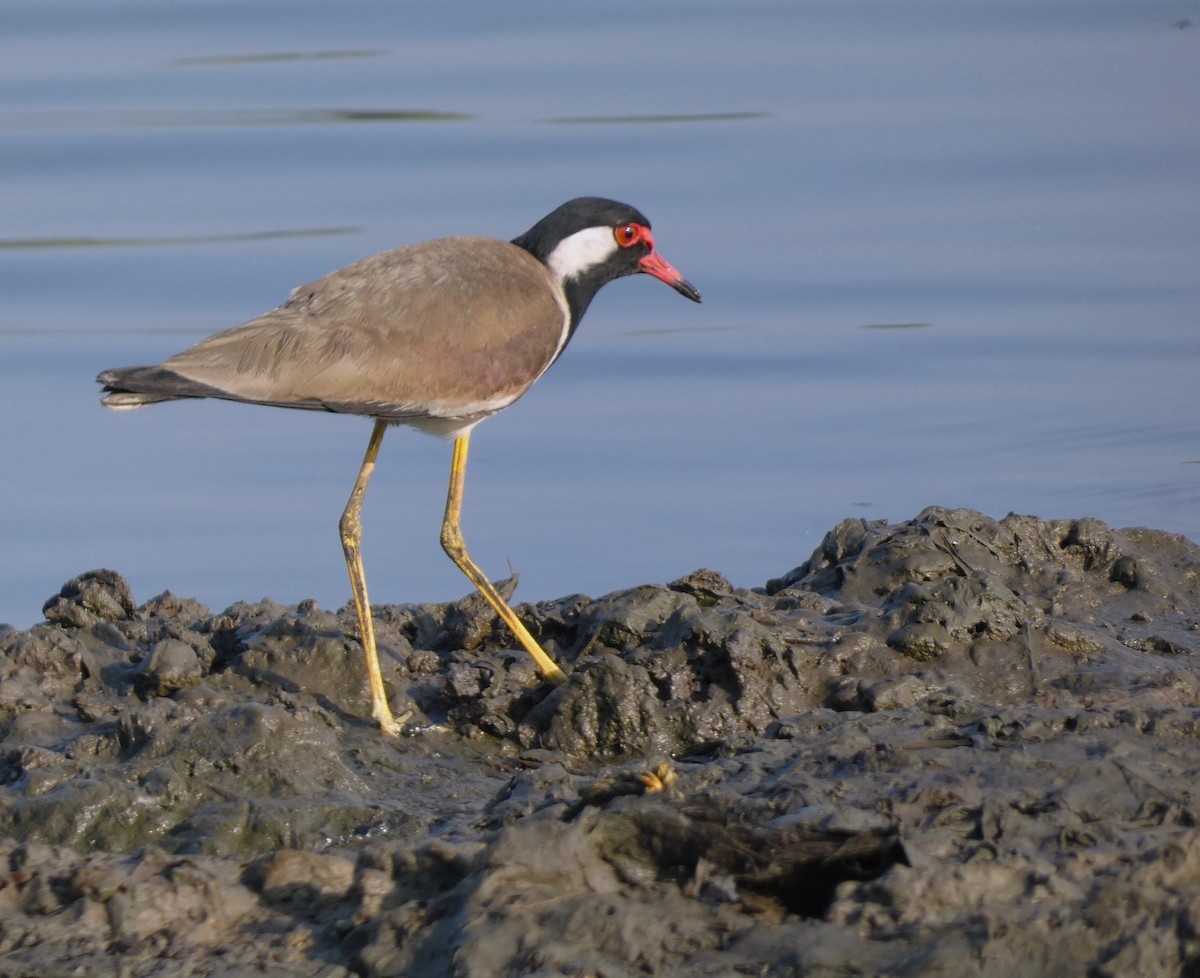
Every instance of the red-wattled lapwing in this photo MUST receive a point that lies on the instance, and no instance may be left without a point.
(438, 336)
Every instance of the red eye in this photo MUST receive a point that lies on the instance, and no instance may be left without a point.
(628, 235)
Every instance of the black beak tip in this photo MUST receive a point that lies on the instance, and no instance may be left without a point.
(685, 288)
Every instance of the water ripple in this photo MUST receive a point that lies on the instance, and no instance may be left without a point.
(32, 244)
(193, 118)
(240, 59)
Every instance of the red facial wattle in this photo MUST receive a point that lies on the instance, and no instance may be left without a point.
(629, 235)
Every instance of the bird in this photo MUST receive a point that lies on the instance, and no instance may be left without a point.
(436, 336)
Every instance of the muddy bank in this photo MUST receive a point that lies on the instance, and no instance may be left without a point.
(949, 746)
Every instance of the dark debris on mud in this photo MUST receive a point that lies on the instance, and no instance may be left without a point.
(950, 746)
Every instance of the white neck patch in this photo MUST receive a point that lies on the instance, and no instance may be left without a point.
(582, 250)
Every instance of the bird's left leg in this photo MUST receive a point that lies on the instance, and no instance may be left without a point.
(456, 548)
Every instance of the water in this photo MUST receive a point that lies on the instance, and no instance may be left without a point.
(948, 255)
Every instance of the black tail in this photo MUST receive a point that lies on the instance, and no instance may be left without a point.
(126, 388)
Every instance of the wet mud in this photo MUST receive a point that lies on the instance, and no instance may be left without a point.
(949, 746)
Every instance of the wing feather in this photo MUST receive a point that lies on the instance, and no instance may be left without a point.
(446, 328)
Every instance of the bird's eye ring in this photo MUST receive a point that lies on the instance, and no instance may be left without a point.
(628, 235)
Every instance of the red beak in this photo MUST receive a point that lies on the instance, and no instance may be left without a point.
(654, 264)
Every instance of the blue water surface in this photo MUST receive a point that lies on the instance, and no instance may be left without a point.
(948, 254)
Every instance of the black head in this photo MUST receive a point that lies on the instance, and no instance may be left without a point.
(589, 241)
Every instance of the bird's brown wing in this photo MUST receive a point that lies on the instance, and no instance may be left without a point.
(456, 327)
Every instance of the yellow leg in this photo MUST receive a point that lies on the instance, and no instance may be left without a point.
(453, 544)
(351, 530)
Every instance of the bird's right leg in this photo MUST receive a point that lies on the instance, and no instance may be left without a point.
(351, 531)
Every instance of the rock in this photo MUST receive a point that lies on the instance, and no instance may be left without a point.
(296, 876)
(99, 595)
(170, 667)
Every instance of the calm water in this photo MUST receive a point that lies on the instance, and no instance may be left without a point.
(949, 254)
